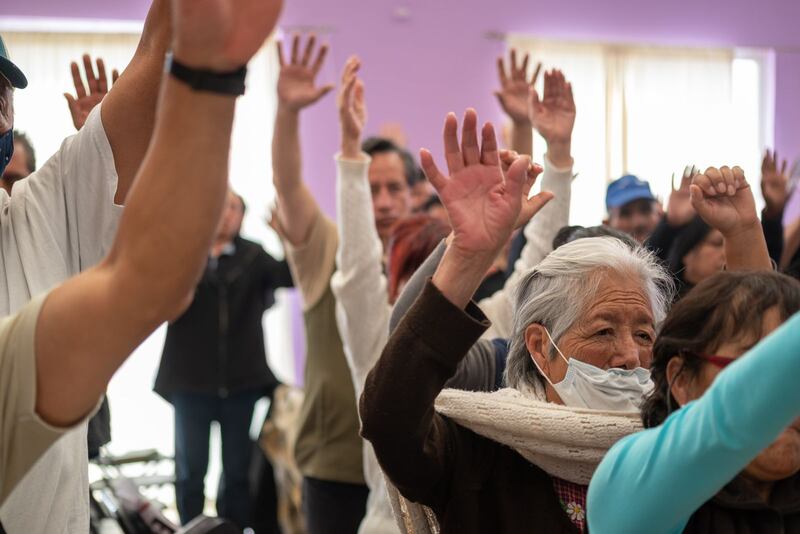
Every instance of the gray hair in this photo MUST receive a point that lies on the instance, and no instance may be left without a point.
(556, 291)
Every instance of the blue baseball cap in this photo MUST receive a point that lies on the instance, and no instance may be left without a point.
(627, 189)
(9, 70)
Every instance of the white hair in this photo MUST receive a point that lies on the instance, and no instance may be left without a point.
(557, 291)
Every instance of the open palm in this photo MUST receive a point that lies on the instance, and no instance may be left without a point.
(483, 205)
(514, 87)
(553, 116)
(297, 87)
(723, 198)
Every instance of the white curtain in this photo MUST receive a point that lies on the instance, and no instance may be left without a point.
(141, 419)
(650, 111)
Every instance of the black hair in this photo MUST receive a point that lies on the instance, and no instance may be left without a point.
(24, 140)
(728, 306)
(568, 234)
(381, 145)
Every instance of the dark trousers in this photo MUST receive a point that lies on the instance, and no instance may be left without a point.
(333, 507)
(194, 414)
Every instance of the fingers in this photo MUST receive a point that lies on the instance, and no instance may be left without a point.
(730, 181)
(507, 157)
(469, 138)
(102, 80)
(80, 89)
(534, 170)
(435, 177)
(501, 71)
(739, 178)
(489, 153)
(697, 197)
(91, 79)
(513, 66)
(350, 69)
(516, 176)
(535, 204)
(783, 168)
(295, 48)
(312, 40)
(536, 72)
(452, 150)
(523, 69)
(114, 76)
(705, 184)
(323, 52)
(280, 54)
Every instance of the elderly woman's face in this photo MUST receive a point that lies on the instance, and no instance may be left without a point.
(617, 329)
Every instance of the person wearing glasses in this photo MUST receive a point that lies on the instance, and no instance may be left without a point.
(721, 452)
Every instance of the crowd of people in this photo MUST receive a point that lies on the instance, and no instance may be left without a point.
(473, 362)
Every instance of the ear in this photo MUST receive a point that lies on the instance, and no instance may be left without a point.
(538, 345)
(680, 383)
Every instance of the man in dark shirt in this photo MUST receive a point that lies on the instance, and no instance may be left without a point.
(214, 366)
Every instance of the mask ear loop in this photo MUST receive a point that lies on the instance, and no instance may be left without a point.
(555, 346)
(541, 372)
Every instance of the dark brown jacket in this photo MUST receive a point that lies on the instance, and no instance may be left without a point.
(473, 484)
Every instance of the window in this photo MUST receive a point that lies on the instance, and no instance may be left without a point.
(651, 111)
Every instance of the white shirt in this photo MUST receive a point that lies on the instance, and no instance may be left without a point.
(60, 220)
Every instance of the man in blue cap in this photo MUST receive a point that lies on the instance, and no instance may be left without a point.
(632, 208)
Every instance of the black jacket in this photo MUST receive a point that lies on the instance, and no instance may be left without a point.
(217, 345)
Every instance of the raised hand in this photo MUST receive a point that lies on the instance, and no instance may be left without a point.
(774, 184)
(515, 88)
(679, 208)
(352, 109)
(529, 209)
(482, 203)
(297, 87)
(88, 95)
(221, 35)
(553, 116)
(723, 198)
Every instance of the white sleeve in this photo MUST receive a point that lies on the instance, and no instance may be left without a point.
(360, 287)
(539, 233)
(69, 202)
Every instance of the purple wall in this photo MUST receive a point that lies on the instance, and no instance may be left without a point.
(438, 58)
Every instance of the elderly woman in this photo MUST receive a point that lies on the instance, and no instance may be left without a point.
(512, 460)
(722, 453)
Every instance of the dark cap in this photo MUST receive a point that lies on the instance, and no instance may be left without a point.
(9, 70)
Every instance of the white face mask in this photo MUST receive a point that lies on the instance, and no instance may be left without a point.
(587, 386)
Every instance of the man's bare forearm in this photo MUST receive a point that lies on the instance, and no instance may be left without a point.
(296, 206)
(128, 111)
(90, 324)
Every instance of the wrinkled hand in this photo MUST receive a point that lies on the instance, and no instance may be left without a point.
(774, 184)
(296, 82)
(85, 100)
(679, 208)
(723, 198)
(529, 209)
(482, 202)
(221, 35)
(514, 87)
(554, 115)
(352, 109)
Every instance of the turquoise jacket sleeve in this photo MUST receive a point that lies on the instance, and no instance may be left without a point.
(653, 481)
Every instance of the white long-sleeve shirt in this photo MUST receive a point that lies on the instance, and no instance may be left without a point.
(363, 311)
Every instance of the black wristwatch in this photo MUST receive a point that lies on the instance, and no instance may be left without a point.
(225, 83)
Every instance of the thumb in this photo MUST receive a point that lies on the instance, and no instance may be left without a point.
(699, 202)
(537, 202)
(322, 91)
(500, 99)
(516, 176)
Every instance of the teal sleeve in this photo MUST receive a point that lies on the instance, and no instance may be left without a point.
(653, 481)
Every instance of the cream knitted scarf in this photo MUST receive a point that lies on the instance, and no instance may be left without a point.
(567, 443)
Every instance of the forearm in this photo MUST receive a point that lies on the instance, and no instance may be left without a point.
(296, 205)
(746, 250)
(560, 153)
(522, 138)
(154, 264)
(129, 109)
(644, 466)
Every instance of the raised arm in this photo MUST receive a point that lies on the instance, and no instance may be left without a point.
(297, 90)
(774, 189)
(702, 446)
(513, 97)
(90, 324)
(128, 111)
(360, 287)
(90, 94)
(724, 200)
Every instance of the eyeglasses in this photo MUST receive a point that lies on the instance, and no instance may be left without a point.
(717, 361)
